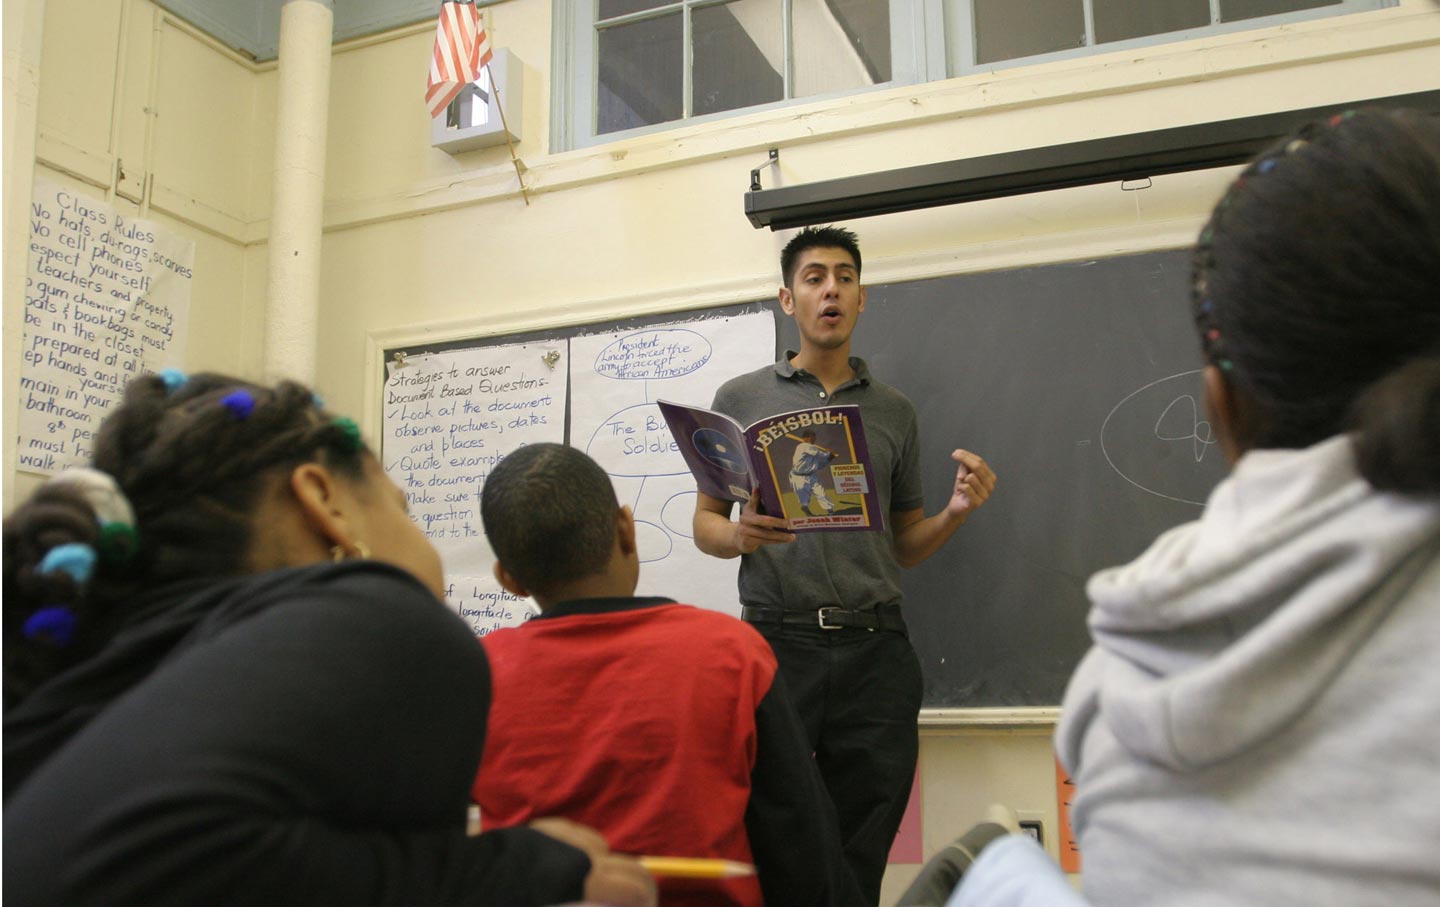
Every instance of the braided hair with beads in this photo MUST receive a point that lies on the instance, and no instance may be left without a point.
(1316, 292)
(191, 458)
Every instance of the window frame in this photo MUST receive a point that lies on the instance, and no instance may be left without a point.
(960, 43)
(930, 40)
(916, 36)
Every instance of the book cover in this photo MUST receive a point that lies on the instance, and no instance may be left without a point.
(810, 466)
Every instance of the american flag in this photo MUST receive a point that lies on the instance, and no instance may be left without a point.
(461, 48)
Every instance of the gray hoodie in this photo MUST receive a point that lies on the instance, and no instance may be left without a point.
(1259, 719)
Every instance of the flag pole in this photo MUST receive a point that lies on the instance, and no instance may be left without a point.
(449, 73)
(500, 106)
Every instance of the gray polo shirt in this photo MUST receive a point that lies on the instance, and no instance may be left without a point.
(854, 570)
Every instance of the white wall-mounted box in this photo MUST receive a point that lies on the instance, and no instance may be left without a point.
(474, 119)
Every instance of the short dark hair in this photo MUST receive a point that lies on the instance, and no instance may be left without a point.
(549, 512)
(817, 238)
(1317, 292)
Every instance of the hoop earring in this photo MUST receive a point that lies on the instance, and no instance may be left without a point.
(340, 552)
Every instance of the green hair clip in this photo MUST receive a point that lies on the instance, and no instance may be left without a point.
(349, 434)
(118, 542)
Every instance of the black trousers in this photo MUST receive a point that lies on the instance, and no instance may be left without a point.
(858, 695)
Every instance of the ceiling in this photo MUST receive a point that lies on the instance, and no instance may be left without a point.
(252, 27)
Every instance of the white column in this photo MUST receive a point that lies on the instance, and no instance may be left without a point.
(298, 192)
(24, 25)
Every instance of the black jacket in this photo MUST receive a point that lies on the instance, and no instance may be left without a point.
(301, 737)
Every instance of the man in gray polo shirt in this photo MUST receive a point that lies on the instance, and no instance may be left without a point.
(829, 602)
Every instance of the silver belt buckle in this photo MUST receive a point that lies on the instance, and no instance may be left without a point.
(820, 615)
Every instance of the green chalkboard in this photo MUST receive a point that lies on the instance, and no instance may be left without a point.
(1080, 384)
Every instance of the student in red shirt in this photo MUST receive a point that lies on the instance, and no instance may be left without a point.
(662, 725)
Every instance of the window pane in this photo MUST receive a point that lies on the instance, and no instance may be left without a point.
(1116, 20)
(739, 55)
(1230, 10)
(1006, 29)
(609, 9)
(840, 44)
(640, 74)
(472, 107)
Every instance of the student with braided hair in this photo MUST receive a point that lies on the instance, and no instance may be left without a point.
(1256, 723)
(229, 679)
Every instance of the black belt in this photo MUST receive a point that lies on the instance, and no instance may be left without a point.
(884, 617)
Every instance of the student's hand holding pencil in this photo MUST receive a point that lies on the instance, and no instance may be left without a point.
(615, 880)
(620, 881)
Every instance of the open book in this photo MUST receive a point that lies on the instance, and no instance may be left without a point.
(810, 466)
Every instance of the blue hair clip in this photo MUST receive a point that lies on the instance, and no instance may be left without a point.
(318, 400)
(241, 404)
(173, 379)
(55, 625)
(1265, 166)
(76, 560)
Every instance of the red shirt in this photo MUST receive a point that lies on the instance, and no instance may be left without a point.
(636, 717)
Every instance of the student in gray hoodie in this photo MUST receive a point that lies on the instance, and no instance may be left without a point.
(1259, 719)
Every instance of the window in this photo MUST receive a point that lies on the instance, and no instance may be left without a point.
(642, 65)
(984, 35)
(628, 67)
(471, 108)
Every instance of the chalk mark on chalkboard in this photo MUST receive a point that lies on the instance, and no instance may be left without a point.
(1201, 444)
(1199, 432)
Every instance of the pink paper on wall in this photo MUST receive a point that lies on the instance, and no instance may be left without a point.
(1064, 794)
(907, 847)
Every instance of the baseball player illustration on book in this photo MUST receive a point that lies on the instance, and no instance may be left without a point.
(805, 466)
(830, 485)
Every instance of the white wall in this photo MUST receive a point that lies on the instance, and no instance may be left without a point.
(421, 245)
(23, 35)
(144, 113)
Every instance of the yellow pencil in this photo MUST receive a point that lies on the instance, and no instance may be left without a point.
(695, 868)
